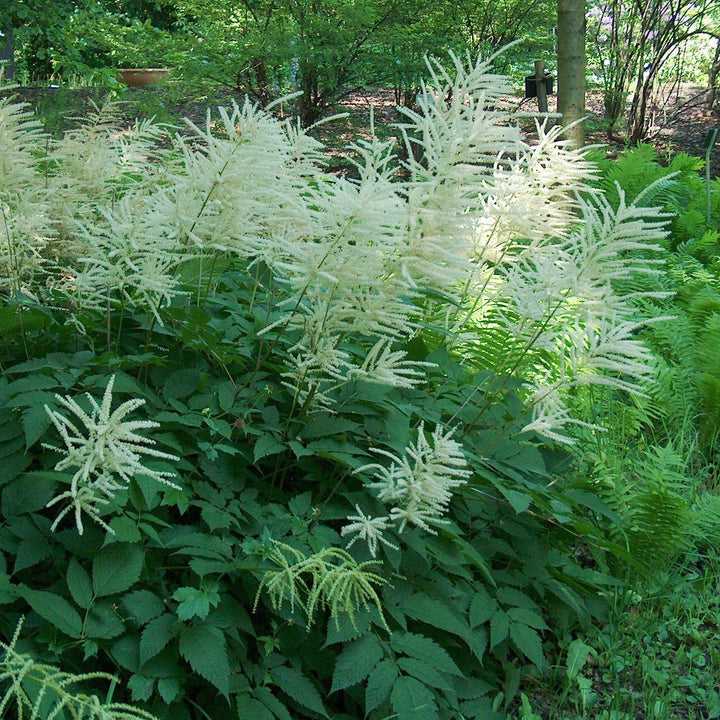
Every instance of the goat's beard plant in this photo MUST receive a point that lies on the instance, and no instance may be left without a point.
(508, 234)
(487, 255)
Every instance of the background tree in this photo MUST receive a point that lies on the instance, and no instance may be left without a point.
(633, 44)
(571, 66)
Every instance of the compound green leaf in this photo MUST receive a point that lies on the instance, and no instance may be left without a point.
(204, 649)
(116, 568)
(356, 661)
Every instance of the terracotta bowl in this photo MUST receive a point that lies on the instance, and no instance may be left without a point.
(141, 77)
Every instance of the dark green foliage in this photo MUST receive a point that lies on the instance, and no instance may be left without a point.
(167, 602)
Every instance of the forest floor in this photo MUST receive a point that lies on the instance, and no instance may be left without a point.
(680, 119)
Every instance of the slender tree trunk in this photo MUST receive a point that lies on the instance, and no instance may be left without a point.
(571, 66)
(7, 53)
(713, 79)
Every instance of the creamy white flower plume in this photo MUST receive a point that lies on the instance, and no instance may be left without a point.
(367, 528)
(24, 222)
(106, 447)
(420, 483)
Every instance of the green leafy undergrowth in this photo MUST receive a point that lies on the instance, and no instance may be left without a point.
(657, 655)
(688, 384)
(220, 362)
(187, 597)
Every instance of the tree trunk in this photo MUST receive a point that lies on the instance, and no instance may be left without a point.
(7, 53)
(571, 67)
(713, 77)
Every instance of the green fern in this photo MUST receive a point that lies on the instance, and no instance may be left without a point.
(663, 511)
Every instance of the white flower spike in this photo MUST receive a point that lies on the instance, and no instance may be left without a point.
(369, 529)
(108, 447)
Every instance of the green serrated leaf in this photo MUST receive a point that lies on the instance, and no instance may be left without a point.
(204, 649)
(23, 496)
(116, 568)
(436, 613)
(520, 501)
(79, 584)
(55, 609)
(512, 596)
(425, 649)
(499, 628)
(266, 445)
(252, 709)
(482, 608)
(181, 383)
(424, 672)
(102, 622)
(30, 552)
(194, 601)
(380, 682)
(299, 688)
(356, 661)
(266, 697)
(36, 381)
(527, 641)
(412, 700)
(35, 422)
(156, 635)
(300, 505)
(168, 689)
(125, 529)
(527, 617)
(141, 687)
(578, 653)
(143, 606)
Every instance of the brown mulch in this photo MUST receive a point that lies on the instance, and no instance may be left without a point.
(680, 121)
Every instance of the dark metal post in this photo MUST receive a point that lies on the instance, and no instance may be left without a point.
(540, 85)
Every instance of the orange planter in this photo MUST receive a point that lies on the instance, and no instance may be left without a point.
(141, 77)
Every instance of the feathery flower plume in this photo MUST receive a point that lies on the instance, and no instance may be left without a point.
(107, 449)
(420, 483)
(24, 222)
(367, 528)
